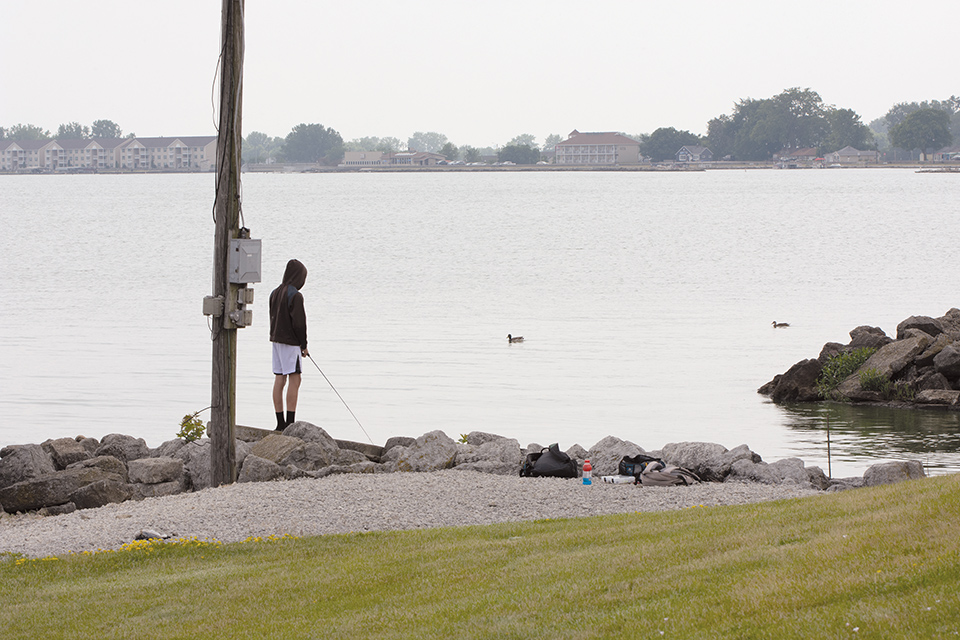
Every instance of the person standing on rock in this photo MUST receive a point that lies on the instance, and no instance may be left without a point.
(288, 334)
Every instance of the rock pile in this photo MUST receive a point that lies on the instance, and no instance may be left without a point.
(922, 364)
(66, 474)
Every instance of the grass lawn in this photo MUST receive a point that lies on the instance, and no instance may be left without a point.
(882, 562)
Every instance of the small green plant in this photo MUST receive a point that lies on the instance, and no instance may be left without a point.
(192, 427)
(839, 368)
(463, 438)
(872, 380)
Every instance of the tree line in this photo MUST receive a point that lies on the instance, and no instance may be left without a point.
(755, 130)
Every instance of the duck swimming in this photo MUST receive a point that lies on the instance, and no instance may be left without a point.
(511, 339)
(777, 325)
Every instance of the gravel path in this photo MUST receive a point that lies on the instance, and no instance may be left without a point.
(358, 502)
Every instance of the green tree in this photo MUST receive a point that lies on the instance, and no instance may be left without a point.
(550, 142)
(73, 131)
(519, 154)
(259, 147)
(846, 129)
(373, 143)
(27, 132)
(924, 129)
(450, 152)
(429, 141)
(664, 143)
(524, 140)
(470, 154)
(105, 129)
(313, 143)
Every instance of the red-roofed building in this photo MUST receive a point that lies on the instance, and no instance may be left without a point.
(600, 148)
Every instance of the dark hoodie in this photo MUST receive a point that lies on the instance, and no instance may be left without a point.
(288, 320)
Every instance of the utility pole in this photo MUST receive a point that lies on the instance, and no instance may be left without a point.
(223, 417)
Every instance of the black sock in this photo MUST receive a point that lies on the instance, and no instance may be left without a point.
(290, 419)
(280, 422)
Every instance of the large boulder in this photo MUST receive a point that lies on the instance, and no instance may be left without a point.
(125, 448)
(710, 461)
(285, 450)
(500, 456)
(930, 326)
(107, 463)
(196, 464)
(888, 473)
(257, 469)
(947, 362)
(312, 433)
(785, 471)
(20, 462)
(889, 361)
(65, 451)
(155, 470)
(432, 451)
(100, 493)
(925, 359)
(799, 383)
(605, 456)
(51, 489)
(865, 337)
(947, 397)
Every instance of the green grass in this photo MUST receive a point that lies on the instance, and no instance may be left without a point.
(882, 562)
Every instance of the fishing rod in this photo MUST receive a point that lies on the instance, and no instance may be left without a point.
(341, 398)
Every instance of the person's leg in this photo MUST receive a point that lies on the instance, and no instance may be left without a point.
(293, 392)
(278, 383)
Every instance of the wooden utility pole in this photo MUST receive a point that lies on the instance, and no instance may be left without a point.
(223, 419)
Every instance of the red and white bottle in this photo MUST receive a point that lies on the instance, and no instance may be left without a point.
(587, 472)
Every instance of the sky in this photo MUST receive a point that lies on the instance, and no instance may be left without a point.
(480, 73)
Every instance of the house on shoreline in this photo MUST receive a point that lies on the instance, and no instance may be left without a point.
(185, 153)
(598, 148)
(361, 159)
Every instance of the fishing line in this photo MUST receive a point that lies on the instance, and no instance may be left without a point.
(341, 398)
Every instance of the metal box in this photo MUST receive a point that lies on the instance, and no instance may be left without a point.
(244, 265)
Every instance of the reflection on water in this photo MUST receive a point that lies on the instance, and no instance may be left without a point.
(860, 434)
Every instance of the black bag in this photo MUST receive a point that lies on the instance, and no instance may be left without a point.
(550, 463)
(634, 465)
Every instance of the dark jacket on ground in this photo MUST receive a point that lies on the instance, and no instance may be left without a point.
(288, 320)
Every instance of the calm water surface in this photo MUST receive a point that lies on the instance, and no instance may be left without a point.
(645, 299)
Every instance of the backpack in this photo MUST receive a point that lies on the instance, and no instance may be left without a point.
(549, 462)
(634, 465)
(658, 474)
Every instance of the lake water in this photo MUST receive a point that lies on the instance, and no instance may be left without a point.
(645, 300)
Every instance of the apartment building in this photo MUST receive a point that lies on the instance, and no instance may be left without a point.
(597, 148)
(196, 153)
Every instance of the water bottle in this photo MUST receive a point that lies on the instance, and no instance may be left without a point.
(587, 472)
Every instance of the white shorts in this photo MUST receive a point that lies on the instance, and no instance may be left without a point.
(286, 358)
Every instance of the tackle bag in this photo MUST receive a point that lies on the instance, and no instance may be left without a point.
(549, 462)
(658, 474)
(634, 465)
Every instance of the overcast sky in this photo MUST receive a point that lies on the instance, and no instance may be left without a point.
(478, 72)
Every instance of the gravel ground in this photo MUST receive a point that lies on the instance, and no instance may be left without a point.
(358, 502)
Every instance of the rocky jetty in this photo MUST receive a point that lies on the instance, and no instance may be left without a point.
(920, 367)
(62, 475)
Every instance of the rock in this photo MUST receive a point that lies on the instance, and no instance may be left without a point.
(257, 469)
(842, 484)
(928, 325)
(311, 433)
(478, 438)
(397, 441)
(150, 534)
(350, 457)
(65, 451)
(102, 492)
(578, 453)
(938, 396)
(947, 362)
(58, 510)
(748, 471)
(370, 451)
(500, 456)
(169, 448)
(51, 489)
(159, 489)
(925, 359)
(20, 462)
(310, 456)
(791, 471)
(276, 447)
(107, 463)
(360, 467)
(155, 470)
(799, 383)
(817, 478)
(828, 351)
(888, 361)
(90, 444)
(393, 454)
(932, 380)
(712, 462)
(196, 464)
(125, 448)
(868, 337)
(891, 472)
(950, 322)
(430, 452)
(605, 456)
